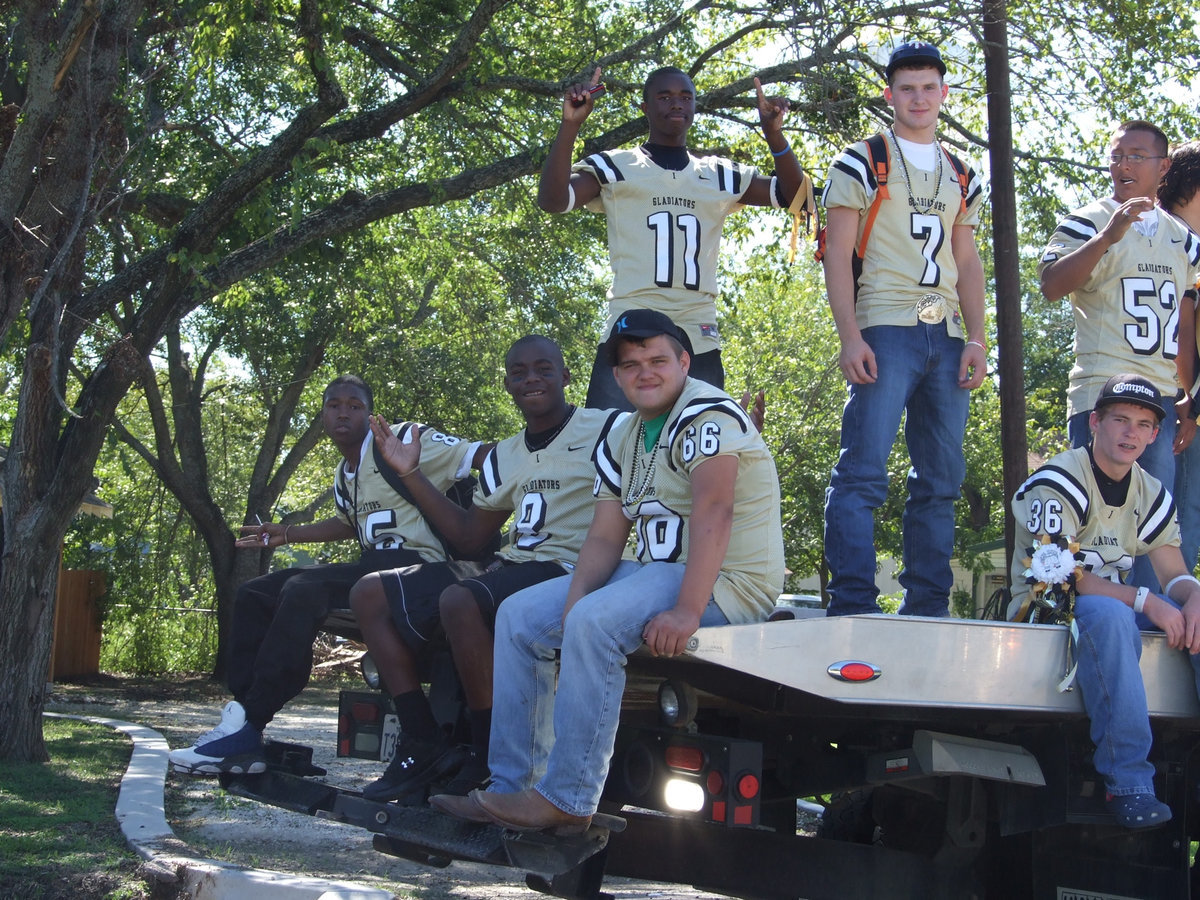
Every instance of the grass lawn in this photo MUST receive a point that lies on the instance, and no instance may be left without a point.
(59, 837)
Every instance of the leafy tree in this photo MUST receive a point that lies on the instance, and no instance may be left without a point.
(163, 159)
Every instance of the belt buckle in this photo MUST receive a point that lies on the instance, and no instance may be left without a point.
(932, 308)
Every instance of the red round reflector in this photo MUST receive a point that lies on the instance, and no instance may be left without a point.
(715, 783)
(747, 786)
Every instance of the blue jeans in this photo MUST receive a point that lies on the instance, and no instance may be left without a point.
(1187, 502)
(917, 369)
(1110, 680)
(1158, 459)
(562, 745)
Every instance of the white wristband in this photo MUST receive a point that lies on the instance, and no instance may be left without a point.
(1178, 578)
(570, 198)
(1139, 602)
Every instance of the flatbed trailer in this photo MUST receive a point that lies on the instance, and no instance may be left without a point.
(955, 768)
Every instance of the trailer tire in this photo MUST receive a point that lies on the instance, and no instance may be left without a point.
(849, 817)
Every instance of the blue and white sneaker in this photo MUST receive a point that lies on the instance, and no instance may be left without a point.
(234, 746)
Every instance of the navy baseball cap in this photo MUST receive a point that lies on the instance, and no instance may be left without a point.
(914, 53)
(1131, 389)
(641, 324)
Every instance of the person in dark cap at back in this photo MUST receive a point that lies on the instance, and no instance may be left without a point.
(1081, 519)
(905, 286)
(692, 476)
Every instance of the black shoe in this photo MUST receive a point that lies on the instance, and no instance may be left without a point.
(473, 774)
(415, 764)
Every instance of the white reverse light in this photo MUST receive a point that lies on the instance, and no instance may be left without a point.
(684, 796)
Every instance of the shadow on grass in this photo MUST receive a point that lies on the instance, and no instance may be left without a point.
(59, 838)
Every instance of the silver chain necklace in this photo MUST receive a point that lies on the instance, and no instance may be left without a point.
(635, 495)
(937, 178)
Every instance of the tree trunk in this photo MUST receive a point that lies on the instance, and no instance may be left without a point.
(1009, 334)
(25, 639)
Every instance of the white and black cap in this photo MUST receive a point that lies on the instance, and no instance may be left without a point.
(1133, 389)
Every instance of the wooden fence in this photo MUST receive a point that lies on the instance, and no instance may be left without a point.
(76, 647)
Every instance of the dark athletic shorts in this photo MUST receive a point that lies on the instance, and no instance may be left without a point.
(412, 596)
(496, 585)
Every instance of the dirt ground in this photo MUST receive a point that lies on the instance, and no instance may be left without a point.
(216, 825)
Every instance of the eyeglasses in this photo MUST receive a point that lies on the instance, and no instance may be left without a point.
(1133, 158)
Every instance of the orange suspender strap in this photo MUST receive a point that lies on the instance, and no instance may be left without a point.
(960, 170)
(875, 146)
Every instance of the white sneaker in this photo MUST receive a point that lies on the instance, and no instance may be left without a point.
(233, 746)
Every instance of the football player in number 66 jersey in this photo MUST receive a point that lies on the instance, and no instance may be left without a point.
(692, 477)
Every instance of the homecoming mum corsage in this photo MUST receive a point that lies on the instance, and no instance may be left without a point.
(1051, 570)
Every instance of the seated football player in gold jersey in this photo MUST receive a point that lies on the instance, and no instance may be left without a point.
(544, 474)
(688, 472)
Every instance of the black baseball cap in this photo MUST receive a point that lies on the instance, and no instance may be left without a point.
(914, 52)
(1131, 389)
(640, 324)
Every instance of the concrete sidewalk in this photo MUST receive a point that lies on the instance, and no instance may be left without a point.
(144, 824)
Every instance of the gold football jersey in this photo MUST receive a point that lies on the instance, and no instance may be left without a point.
(908, 257)
(655, 491)
(550, 490)
(664, 234)
(1127, 312)
(370, 501)
(1062, 499)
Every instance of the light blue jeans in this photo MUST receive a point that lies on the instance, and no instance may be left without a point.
(917, 378)
(1158, 459)
(1187, 502)
(1110, 680)
(562, 744)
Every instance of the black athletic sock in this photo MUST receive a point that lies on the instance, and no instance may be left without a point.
(481, 730)
(258, 712)
(416, 716)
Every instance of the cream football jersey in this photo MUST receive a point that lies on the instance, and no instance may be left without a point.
(908, 262)
(549, 490)
(664, 234)
(655, 491)
(1062, 499)
(373, 501)
(1127, 312)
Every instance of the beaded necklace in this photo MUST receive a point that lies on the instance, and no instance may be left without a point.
(635, 495)
(937, 178)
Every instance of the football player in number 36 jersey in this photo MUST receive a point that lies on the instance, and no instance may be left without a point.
(1100, 498)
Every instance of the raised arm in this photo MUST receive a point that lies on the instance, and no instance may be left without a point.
(1072, 271)
(557, 183)
(772, 111)
(468, 529)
